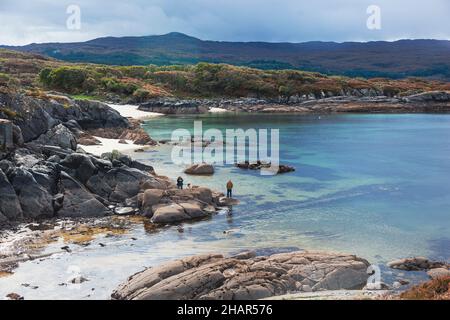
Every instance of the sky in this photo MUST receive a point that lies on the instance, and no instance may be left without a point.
(36, 21)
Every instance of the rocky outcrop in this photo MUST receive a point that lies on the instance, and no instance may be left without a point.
(58, 120)
(415, 264)
(200, 169)
(435, 269)
(173, 106)
(368, 100)
(437, 273)
(36, 117)
(245, 276)
(259, 165)
(77, 201)
(59, 136)
(9, 205)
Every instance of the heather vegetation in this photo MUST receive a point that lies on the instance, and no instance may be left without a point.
(139, 83)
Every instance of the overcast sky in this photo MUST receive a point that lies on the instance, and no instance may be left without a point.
(25, 21)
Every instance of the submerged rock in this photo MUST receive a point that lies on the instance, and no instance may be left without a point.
(245, 276)
(260, 165)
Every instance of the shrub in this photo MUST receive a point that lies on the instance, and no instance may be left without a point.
(69, 79)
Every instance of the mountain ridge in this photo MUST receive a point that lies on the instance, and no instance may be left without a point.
(392, 59)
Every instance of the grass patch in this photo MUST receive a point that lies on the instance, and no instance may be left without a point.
(85, 97)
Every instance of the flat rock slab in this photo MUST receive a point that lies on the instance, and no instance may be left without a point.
(245, 276)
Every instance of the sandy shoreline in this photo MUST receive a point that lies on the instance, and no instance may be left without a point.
(131, 111)
(108, 145)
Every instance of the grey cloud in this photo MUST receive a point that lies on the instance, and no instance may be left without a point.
(24, 21)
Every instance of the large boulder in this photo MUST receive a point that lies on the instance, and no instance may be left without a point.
(203, 194)
(77, 201)
(59, 136)
(169, 214)
(35, 200)
(245, 276)
(193, 209)
(117, 184)
(200, 169)
(96, 114)
(9, 205)
(151, 198)
(80, 166)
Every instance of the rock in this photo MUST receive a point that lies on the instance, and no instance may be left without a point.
(14, 296)
(59, 136)
(35, 200)
(96, 114)
(193, 209)
(228, 278)
(9, 204)
(436, 273)
(227, 202)
(78, 202)
(151, 198)
(137, 134)
(173, 106)
(415, 264)
(306, 288)
(118, 184)
(284, 169)
(259, 165)
(78, 280)
(203, 194)
(200, 169)
(142, 166)
(88, 140)
(26, 158)
(377, 286)
(169, 214)
(81, 165)
(124, 211)
(17, 136)
(154, 183)
(122, 141)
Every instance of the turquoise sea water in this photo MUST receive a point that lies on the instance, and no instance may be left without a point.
(374, 185)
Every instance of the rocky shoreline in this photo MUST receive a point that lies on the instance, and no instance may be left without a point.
(43, 173)
(45, 176)
(290, 275)
(358, 102)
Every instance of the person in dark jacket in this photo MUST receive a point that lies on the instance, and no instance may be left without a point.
(180, 183)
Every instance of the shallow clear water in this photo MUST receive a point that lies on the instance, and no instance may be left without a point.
(374, 185)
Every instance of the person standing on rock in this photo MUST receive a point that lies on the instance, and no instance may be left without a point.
(180, 182)
(229, 189)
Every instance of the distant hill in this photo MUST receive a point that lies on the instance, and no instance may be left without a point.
(399, 59)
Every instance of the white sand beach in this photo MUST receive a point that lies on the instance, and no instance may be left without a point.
(218, 110)
(131, 111)
(109, 145)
